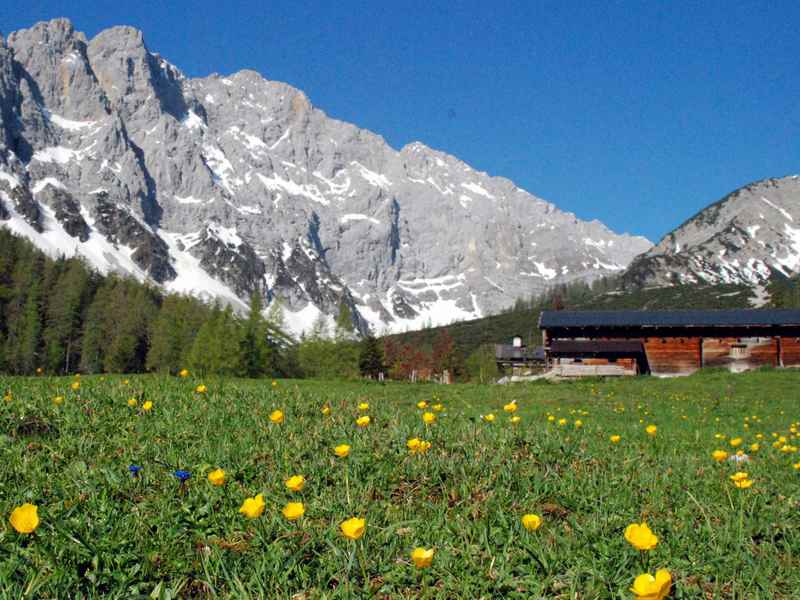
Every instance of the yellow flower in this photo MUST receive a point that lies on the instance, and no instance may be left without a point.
(531, 522)
(363, 406)
(424, 446)
(147, 406)
(719, 455)
(217, 477)
(640, 536)
(562, 422)
(796, 466)
(201, 389)
(252, 508)
(25, 518)
(510, 407)
(58, 400)
(615, 439)
(647, 587)
(438, 407)
(294, 510)
(413, 444)
(422, 404)
(295, 483)
(515, 419)
(429, 418)
(651, 430)
(754, 447)
(551, 418)
(75, 385)
(8, 396)
(274, 383)
(578, 424)
(132, 402)
(422, 558)
(488, 418)
(276, 417)
(741, 481)
(735, 442)
(183, 373)
(353, 528)
(363, 421)
(342, 450)
(125, 382)
(326, 410)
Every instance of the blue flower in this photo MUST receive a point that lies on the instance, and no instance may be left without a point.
(134, 470)
(182, 475)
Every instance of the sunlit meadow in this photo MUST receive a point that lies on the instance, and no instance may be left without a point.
(187, 487)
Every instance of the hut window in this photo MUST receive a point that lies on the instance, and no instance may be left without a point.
(739, 351)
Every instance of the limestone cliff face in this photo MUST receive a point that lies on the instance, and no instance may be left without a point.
(223, 186)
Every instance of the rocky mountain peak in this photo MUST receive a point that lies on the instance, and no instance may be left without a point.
(227, 185)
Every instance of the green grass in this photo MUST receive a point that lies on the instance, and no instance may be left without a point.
(104, 533)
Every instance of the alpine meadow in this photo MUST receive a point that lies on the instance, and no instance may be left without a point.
(398, 301)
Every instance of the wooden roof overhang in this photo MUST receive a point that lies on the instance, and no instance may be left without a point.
(596, 348)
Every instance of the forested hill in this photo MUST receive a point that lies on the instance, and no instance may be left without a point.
(61, 317)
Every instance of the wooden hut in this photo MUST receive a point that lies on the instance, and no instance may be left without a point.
(671, 342)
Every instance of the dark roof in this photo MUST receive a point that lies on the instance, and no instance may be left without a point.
(596, 347)
(668, 318)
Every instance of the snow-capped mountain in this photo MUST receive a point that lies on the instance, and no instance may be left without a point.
(747, 237)
(222, 186)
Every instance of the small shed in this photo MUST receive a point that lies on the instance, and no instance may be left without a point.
(671, 342)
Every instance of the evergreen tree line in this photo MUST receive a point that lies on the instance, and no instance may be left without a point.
(62, 317)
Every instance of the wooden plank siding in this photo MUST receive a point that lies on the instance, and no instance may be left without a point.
(670, 356)
(739, 354)
(790, 351)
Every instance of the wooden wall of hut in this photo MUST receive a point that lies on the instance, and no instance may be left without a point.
(670, 356)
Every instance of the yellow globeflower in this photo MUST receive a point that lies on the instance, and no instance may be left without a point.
(562, 422)
(25, 518)
(363, 406)
(615, 439)
(578, 424)
(183, 373)
(735, 442)
(647, 587)
(252, 508)
(422, 405)
(147, 406)
(551, 418)
(274, 383)
(438, 407)
(132, 402)
(413, 445)
(429, 418)
(295, 483)
(531, 522)
(719, 455)
(58, 400)
(276, 417)
(201, 389)
(640, 536)
(422, 558)
(217, 477)
(342, 450)
(363, 421)
(510, 407)
(75, 385)
(353, 528)
(515, 419)
(488, 418)
(294, 510)
(651, 430)
(424, 446)
(754, 447)
(796, 466)
(741, 480)
(326, 410)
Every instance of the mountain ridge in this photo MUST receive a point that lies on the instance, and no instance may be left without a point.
(222, 186)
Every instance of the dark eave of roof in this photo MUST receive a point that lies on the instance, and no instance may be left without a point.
(554, 319)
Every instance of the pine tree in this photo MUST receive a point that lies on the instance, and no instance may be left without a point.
(370, 360)
(254, 348)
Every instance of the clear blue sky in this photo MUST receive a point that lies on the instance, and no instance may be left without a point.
(635, 113)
